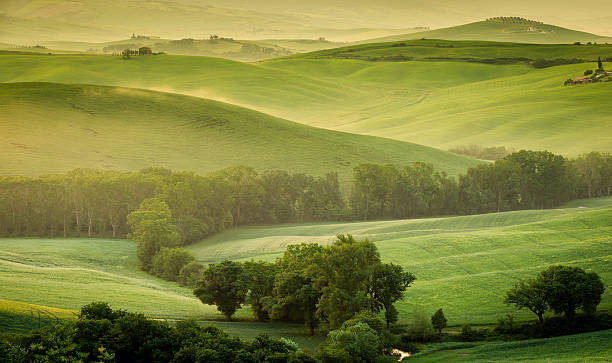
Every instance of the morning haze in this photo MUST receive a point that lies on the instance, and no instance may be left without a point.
(290, 181)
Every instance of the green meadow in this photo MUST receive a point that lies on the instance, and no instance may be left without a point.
(460, 262)
(589, 347)
(439, 104)
(53, 128)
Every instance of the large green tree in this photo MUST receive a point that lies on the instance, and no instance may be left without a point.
(223, 285)
(569, 288)
(387, 285)
(530, 295)
(152, 229)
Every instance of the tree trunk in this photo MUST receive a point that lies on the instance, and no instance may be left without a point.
(541, 318)
(65, 234)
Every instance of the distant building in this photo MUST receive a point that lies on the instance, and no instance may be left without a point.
(583, 79)
(145, 51)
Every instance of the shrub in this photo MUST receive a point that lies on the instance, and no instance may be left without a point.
(190, 274)
(168, 262)
(421, 329)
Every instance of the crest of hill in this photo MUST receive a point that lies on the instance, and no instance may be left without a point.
(504, 29)
(129, 129)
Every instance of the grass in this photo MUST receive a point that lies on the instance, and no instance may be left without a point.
(502, 32)
(463, 264)
(589, 347)
(437, 49)
(439, 104)
(129, 129)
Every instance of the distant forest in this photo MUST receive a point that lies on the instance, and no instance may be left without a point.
(96, 203)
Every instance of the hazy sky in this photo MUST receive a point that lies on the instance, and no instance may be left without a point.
(184, 17)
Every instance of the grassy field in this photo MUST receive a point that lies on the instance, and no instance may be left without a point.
(440, 104)
(504, 32)
(590, 347)
(463, 264)
(42, 126)
(437, 49)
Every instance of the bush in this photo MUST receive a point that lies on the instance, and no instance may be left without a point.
(588, 72)
(168, 262)
(358, 343)
(190, 274)
(421, 329)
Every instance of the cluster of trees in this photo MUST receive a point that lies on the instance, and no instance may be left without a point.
(312, 284)
(562, 289)
(513, 20)
(521, 180)
(96, 203)
(101, 334)
(483, 153)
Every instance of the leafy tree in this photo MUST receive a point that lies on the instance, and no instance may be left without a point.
(295, 296)
(355, 343)
(438, 321)
(569, 288)
(421, 328)
(259, 280)
(388, 282)
(223, 285)
(531, 295)
(168, 262)
(342, 274)
(152, 228)
(190, 274)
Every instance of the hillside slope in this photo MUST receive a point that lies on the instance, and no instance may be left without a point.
(51, 128)
(503, 31)
(439, 104)
(463, 264)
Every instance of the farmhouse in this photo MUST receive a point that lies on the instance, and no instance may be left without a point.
(583, 79)
(145, 51)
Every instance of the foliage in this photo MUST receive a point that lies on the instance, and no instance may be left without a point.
(355, 343)
(223, 285)
(569, 288)
(130, 337)
(564, 289)
(438, 321)
(387, 285)
(421, 329)
(169, 262)
(190, 274)
(259, 280)
(152, 229)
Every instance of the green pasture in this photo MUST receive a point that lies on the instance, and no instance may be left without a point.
(439, 104)
(463, 264)
(438, 49)
(584, 348)
(53, 128)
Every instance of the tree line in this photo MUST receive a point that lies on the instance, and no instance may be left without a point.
(96, 203)
(521, 180)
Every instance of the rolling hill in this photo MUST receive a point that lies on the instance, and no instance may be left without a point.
(440, 104)
(462, 264)
(523, 31)
(51, 128)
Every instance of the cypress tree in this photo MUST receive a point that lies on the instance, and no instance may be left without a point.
(599, 63)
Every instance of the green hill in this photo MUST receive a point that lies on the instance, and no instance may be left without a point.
(463, 264)
(440, 104)
(509, 30)
(464, 51)
(51, 128)
(589, 347)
